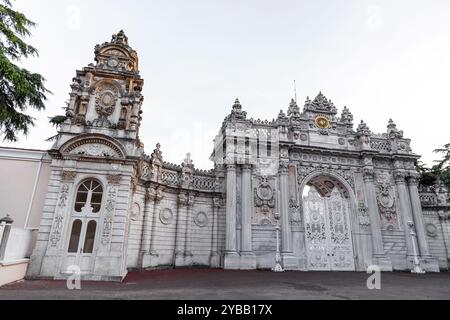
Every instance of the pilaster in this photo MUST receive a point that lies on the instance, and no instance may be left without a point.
(231, 258)
(248, 258)
(378, 256)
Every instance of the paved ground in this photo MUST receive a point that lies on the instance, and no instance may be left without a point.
(195, 284)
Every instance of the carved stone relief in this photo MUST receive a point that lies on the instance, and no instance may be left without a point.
(166, 216)
(201, 219)
(386, 199)
(264, 200)
(55, 235)
(94, 149)
(109, 215)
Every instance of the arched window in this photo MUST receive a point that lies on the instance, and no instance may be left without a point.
(89, 194)
(90, 237)
(75, 236)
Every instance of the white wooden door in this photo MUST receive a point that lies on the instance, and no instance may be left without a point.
(80, 250)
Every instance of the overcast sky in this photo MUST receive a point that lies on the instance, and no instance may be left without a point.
(381, 59)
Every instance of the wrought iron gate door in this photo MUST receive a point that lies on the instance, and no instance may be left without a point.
(327, 232)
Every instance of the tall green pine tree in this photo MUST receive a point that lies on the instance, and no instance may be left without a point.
(20, 89)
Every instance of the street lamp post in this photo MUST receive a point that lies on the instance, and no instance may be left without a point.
(416, 262)
(278, 267)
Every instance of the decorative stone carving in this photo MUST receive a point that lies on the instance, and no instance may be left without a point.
(264, 201)
(55, 235)
(368, 174)
(347, 117)
(109, 215)
(236, 112)
(93, 146)
(363, 133)
(218, 202)
(344, 172)
(96, 150)
(187, 172)
(363, 217)
(68, 176)
(154, 194)
(105, 102)
(201, 219)
(320, 104)
(264, 196)
(432, 230)
(186, 199)
(295, 213)
(135, 212)
(63, 196)
(283, 167)
(393, 133)
(114, 179)
(386, 204)
(399, 177)
(293, 110)
(166, 216)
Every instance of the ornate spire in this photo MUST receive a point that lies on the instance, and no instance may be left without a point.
(236, 112)
(116, 55)
(363, 129)
(347, 117)
(188, 163)
(157, 155)
(320, 104)
(120, 38)
(282, 119)
(293, 109)
(392, 131)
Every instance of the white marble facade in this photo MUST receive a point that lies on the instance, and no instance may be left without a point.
(345, 197)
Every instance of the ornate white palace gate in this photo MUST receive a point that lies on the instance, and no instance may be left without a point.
(327, 232)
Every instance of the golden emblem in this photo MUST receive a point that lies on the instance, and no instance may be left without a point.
(322, 122)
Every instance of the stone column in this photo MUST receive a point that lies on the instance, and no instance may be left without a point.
(188, 238)
(151, 257)
(286, 241)
(404, 208)
(417, 215)
(287, 254)
(248, 258)
(231, 256)
(378, 255)
(146, 231)
(214, 259)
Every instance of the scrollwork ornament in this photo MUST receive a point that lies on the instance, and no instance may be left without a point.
(399, 177)
(68, 175)
(105, 102)
(368, 174)
(166, 216)
(283, 167)
(386, 203)
(201, 219)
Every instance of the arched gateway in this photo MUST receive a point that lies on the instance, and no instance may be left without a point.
(138, 211)
(328, 210)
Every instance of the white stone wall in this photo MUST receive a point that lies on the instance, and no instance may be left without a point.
(394, 244)
(264, 245)
(437, 235)
(182, 236)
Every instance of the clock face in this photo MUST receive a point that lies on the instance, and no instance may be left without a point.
(322, 122)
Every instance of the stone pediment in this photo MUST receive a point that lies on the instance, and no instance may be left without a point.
(93, 146)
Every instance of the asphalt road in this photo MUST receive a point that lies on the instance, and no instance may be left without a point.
(197, 284)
